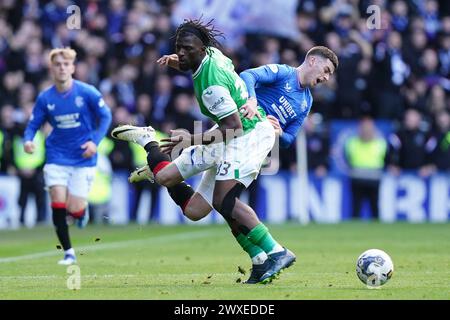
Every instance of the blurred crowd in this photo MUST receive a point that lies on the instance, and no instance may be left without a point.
(383, 73)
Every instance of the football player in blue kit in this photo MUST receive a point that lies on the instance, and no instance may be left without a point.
(80, 119)
(283, 92)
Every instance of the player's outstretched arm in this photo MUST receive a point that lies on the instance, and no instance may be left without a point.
(229, 128)
(170, 60)
(262, 75)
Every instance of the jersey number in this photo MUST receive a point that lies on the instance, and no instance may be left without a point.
(222, 169)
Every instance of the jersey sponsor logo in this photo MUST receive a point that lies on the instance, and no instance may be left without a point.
(286, 106)
(279, 113)
(50, 107)
(273, 67)
(216, 104)
(79, 101)
(68, 121)
(287, 87)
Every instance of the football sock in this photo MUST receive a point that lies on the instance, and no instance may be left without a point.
(71, 251)
(257, 254)
(143, 140)
(181, 194)
(155, 158)
(261, 237)
(78, 214)
(60, 223)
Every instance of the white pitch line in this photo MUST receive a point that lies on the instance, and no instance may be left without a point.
(63, 276)
(180, 275)
(114, 245)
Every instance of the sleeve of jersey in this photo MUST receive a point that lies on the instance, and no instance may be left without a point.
(217, 99)
(102, 112)
(266, 74)
(290, 133)
(38, 117)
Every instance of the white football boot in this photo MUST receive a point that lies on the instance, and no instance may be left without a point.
(139, 135)
(141, 174)
(68, 260)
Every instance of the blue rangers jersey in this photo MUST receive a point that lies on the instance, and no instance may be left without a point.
(77, 116)
(279, 93)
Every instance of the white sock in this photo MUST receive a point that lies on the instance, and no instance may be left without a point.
(143, 140)
(70, 251)
(260, 258)
(277, 248)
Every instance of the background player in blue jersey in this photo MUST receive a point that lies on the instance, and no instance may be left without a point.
(80, 119)
(283, 92)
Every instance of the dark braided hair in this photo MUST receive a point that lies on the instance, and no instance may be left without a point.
(206, 32)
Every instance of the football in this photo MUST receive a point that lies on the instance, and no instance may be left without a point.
(374, 267)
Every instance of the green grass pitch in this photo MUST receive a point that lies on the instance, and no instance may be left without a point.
(201, 262)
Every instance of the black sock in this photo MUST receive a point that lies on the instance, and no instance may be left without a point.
(154, 155)
(61, 228)
(181, 193)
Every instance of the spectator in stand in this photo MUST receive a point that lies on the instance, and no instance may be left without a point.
(365, 154)
(317, 144)
(390, 74)
(29, 168)
(438, 146)
(407, 146)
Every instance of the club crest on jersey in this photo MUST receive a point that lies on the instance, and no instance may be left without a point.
(101, 103)
(304, 104)
(273, 67)
(79, 101)
(287, 87)
(50, 106)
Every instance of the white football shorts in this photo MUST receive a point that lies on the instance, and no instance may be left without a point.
(240, 159)
(77, 180)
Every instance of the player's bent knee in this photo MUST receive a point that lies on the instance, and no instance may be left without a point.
(163, 179)
(168, 177)
(225, 204)
(192, 214)
(196, 214)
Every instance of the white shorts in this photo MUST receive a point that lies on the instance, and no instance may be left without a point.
(77, 180)
(240, 159)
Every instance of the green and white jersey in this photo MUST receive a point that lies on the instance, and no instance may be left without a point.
(219, 90)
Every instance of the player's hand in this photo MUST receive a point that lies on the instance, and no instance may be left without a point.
(89, 148)
(170, 60)
(275, 124)
(29, 147)
(250, 109)
(177, 136)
